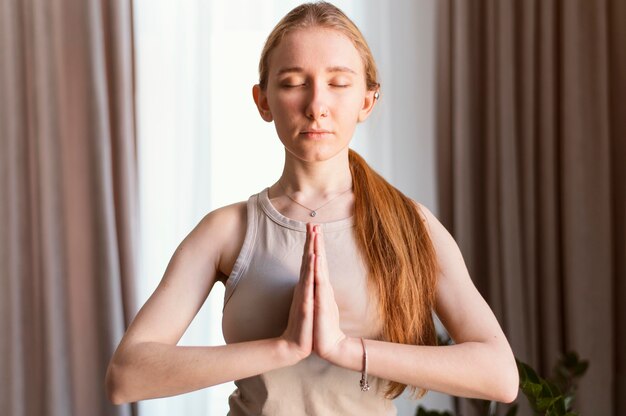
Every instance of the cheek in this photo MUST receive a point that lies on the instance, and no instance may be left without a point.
(285, 107)
(350, 108)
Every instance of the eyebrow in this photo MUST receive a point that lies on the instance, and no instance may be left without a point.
(329, 69)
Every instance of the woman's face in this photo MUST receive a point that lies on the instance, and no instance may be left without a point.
(316, 93)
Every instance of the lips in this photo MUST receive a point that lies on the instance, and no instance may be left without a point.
(315, 134)
(315, 131)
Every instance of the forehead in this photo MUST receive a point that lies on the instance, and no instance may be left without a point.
(313, 48)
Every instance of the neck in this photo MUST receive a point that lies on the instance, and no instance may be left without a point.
(317, 178)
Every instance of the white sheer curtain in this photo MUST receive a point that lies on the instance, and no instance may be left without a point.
(202, 144)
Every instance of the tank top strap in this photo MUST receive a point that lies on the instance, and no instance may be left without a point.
(243, 259)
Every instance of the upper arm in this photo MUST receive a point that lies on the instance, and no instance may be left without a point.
(462, 310)
(188, 278)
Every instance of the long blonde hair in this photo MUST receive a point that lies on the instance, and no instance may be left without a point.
(389, 229)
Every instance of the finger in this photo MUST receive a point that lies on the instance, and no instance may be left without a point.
(305, 287)
(307, 250)
(307, 268)
(307, 283)
(319, 270)
(311, 237)
(318, 240)
(308, 245)
(320, 253)
(310, 275)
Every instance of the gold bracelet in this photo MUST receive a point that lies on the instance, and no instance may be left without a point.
(365, 386)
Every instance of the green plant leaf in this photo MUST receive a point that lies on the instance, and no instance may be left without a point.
(544, 403)
(527, 372)
(553, 390)
(551, 412)
(531, 389)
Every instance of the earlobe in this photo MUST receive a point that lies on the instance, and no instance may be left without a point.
(260, 99)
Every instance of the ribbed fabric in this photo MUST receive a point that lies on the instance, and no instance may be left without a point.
(256, 306)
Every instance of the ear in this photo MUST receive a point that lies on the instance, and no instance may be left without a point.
(260, 99)
(371, 97)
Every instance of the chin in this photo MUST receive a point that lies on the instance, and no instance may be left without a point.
(317, 155)
(318, 151)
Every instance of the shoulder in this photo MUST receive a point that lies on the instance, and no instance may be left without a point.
(226, 217)
(224, 229)
(444, 244)
(428, 218)
(216, 239)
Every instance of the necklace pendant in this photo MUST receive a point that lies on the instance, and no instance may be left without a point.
(313, 213)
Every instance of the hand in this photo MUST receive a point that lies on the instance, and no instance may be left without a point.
(327, 334)
(299, 331)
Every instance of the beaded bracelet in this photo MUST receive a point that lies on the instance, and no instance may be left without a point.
(365, 386)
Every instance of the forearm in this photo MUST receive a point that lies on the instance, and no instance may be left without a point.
(469, 369)
(149, 369)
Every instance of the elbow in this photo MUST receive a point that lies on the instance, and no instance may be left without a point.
(501, 380)
(509, 384)
(508, 393)
(513, 388)
(113, 385)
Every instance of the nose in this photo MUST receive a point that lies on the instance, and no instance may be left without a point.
(316, 106)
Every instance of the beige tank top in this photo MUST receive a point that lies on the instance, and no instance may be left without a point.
(256, 306)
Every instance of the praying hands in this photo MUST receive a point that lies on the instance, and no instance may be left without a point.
(314, 316)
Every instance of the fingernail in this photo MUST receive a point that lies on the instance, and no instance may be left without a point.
(317, 228)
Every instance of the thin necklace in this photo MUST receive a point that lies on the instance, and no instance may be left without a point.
(313, 211)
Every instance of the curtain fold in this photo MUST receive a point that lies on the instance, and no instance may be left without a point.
(68, 207)
(532, 178)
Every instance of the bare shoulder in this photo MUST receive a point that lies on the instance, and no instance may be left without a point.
(225, 219)
(227, 227)
(451, 264)
(428, 218)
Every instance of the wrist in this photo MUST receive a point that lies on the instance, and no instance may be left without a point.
(288, 352)
(349, 354)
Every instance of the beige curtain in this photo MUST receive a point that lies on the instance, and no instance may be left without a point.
(532, 176)
(67, 202)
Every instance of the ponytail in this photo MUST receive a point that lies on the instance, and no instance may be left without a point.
(403, 267)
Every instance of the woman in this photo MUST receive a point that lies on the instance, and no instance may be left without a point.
(331, 274)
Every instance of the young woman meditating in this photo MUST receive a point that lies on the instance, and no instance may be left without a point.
(332, 275)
